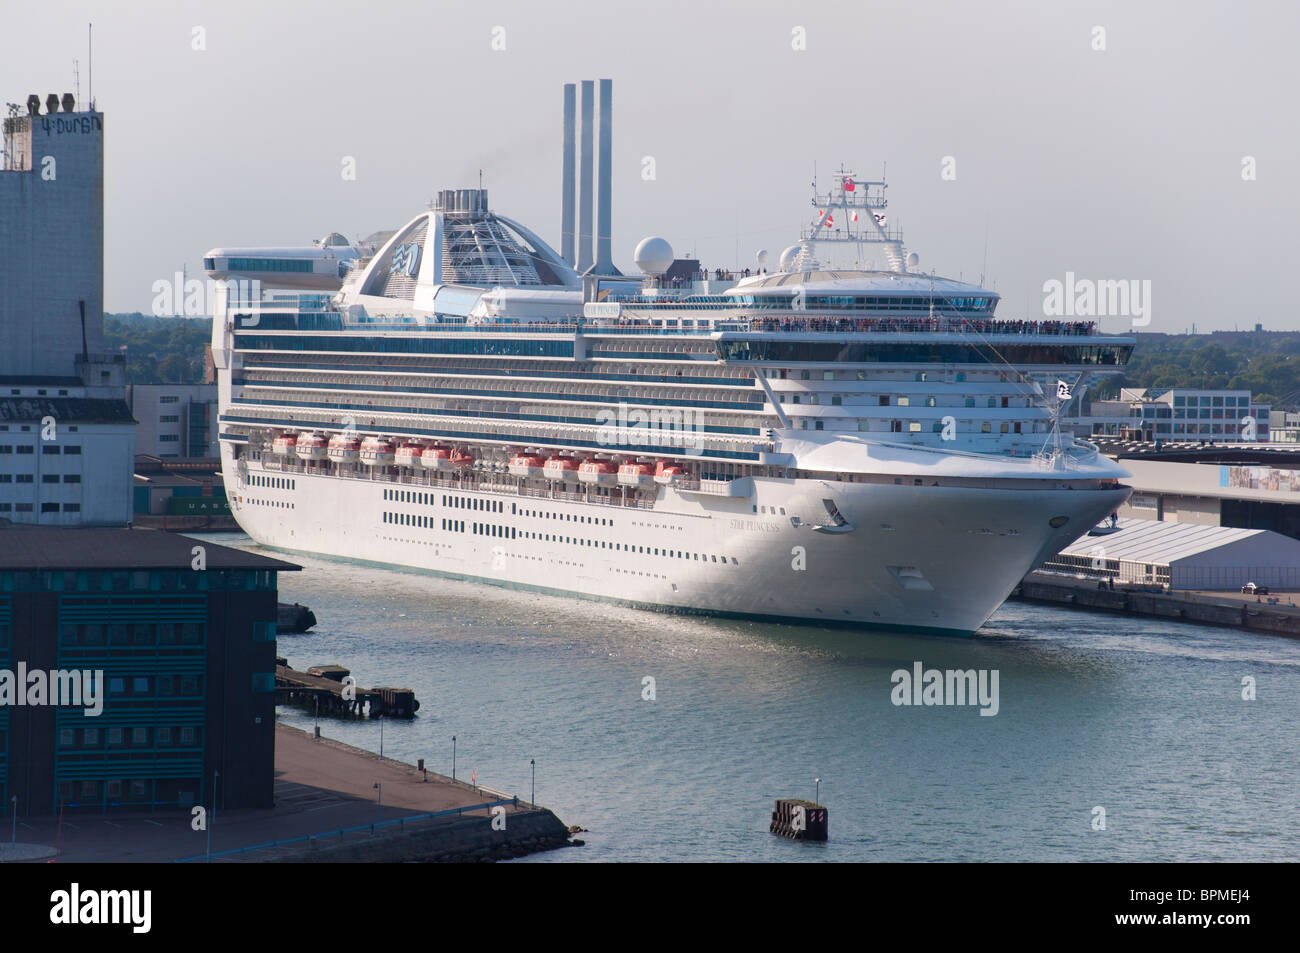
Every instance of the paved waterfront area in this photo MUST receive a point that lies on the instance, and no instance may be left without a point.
(320, 785)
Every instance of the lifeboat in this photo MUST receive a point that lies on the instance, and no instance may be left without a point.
(436, 458)
(283, 445)
(636, 474)
(408, 455)
(376, 452)
(560, 468)
(668, 473)
(599, 472)
(311, 446)
(460, 460)
(344, 448)
(525, 465)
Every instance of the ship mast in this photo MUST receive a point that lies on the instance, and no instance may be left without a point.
(852, 213)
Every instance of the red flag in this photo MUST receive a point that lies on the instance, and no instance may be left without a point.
(830, 221)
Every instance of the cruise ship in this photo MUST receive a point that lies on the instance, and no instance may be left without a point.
(810, 444)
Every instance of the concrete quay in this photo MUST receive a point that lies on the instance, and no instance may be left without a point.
(1204, 607)
(326, 810)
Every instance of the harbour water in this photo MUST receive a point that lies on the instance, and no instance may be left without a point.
(1141, 717)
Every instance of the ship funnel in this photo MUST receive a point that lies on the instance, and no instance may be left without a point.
(52, 103)
(570, 148)
(584, 177)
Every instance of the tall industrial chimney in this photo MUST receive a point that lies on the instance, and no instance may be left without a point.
(604, 253)
(584, 182)
(570, 148)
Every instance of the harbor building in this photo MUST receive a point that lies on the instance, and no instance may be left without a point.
(1184, 556)
(179, 487)
(1180, 414)
(63, 414)
(180, 636)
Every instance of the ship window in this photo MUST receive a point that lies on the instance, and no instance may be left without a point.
(836, 400)
(828, 375)
(913, 427)
(986, 427)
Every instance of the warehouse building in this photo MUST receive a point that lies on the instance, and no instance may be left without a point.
(1184, 556)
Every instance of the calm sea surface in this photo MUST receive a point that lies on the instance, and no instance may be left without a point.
(1140, 717)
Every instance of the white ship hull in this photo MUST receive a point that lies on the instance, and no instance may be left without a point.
(916, 558)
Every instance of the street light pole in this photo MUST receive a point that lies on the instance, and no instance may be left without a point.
(817, 798)
(213, 816)
(453, 757)
(532, 795)
(380, 788)
(381, 736)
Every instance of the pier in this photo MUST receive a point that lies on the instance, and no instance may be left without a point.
(324, 688)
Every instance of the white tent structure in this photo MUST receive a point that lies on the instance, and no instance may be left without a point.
(1185, 556)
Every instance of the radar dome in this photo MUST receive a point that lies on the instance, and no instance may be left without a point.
(761, 255)
(653, 256)
(788, 256)
(913, 260)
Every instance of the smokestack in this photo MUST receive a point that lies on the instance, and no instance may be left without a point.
(570, 147)
(584, 182)
(604, 254)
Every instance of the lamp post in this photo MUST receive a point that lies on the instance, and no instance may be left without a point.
(532, 795)
(817, 797)
(380, 788)
(453, 757)
(213, 815)
(381, 736)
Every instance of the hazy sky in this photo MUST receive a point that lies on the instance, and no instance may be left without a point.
(1117, 164)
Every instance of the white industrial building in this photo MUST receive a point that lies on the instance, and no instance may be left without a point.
(66, 433)
(175, 420)
(1184, 556)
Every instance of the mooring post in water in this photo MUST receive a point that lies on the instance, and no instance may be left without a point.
(799, 819)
